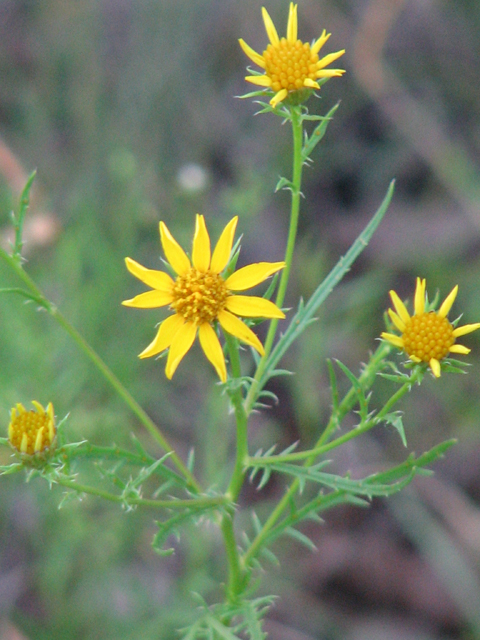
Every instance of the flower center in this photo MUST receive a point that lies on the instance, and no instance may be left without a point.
(288, 64)
(30, 432)
(199, 297)
(428, 336)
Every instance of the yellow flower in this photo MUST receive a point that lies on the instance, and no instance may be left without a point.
(290, 64)
(199, 296)
(427, 336)
(32, 432)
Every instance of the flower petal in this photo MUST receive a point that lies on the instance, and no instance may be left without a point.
(212, 349)
(316, 46)
(201, 246)
(397, 321)
(278, 97)
(38, 407)
(181, 343)
(292, 28)
(261, 81)
(419, 300)
(253, 55)
(393, 339)
(447, 303)
(435, 367)
(253, 307)
(173, 251)
(400, 308)
(459, 348)
(155, 279)
(251, 275)
(223, 248)
(330, 73)
(270, 27)
(149, 300)
(328, 59)
(466, 328)
(233, 325)
(311, 84)
(165, 334)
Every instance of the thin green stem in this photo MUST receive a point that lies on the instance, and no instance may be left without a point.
(241, 419)
(295, 188)
(144, 502)
(142, 416)
(346, 405)
(236, 575)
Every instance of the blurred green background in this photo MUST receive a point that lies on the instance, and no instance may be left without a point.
(128, 111)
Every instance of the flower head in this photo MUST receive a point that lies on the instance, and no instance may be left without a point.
(32, 432)
(427, 336)
(199, 296)
(290, 64)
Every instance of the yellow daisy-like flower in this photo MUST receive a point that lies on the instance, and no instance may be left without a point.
(32, 432)
(290, 64)
(199, 296)
(427, 336)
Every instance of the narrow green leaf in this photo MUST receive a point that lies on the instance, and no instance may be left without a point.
(300, 537)
(318, 133)
(395, 419)
(304, 315)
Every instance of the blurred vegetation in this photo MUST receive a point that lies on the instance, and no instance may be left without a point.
(127, 109)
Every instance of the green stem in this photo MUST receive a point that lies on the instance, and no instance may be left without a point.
(241, 419)
(295, 187)
(236, 575)
(145, 502)
(347, 404)
(101, 366)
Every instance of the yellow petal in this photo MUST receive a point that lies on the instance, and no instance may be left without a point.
(223, 248)
(459, 348)
(253, 55)
(261, 81)
(165, 334)
(320, 42)
(201, 246)
(155, 279)
(393, 339)
(292, 28)
(447, 303)
(24, 443)
(435, 367)
(270, 27)
(173, 251)
(278, 97)
(38, 446)
(20, 408)
(212, 349)
(181, 343)
(311, 84)
(149, 300)
(397, 321)
(253, 307)
(252, 275)
(400, 308)
(328, 59)
(233, 325)
(330, 73)
(38, 407)
(466, 328)
(419, 301)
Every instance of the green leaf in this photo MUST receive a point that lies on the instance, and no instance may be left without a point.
(395, 419)
(318, 133)
(305, 313)
(357, 387)
(19, 220)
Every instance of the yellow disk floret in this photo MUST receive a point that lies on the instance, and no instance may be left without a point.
(32, 432)
(427, 336)
(199, 297)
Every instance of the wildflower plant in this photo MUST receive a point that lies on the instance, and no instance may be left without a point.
(200, 294)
